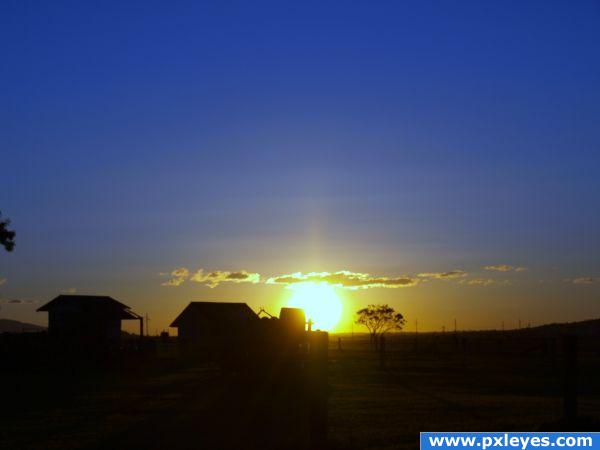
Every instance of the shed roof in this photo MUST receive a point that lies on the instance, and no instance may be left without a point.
(90, 304)
(221, 312)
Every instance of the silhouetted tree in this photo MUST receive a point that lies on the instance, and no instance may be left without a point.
(7, 237)
(379, 319)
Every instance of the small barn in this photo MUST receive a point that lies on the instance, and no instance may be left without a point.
(87, 319)
(214, 323)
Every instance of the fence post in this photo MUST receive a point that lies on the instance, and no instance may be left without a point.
(570, 377)
(463, 342)
(382, 352)
(319, 343)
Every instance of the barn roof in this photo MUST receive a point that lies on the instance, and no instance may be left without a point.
(219, 312)
(90, 304)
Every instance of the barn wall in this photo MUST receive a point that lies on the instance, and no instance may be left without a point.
(84, 327)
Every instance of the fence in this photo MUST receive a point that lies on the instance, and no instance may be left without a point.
(567, 363)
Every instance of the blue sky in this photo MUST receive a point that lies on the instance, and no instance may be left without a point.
(391, 138)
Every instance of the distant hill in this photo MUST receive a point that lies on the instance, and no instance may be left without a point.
(585, 327)
(14, 326)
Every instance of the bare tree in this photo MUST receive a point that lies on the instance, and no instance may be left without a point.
(7, 237)
(379, 319)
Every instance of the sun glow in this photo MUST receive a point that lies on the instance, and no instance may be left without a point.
(320, 304)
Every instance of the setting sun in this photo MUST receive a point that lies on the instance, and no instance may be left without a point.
(320, 303)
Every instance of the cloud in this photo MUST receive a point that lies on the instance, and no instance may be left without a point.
(16, 301)
(178, 276)
(583, 280)
(2, 281)
(214, 278)
(345, 279)
(481, 282)
(505, 268)
(209, 278)
(499, 268)
(451, 275)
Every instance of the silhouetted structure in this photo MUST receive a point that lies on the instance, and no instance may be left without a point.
(293, 320)
(212, 324)
(87, 319)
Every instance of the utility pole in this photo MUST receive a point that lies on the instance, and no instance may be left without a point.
(147, 322)
(416, 326)
(455, 329)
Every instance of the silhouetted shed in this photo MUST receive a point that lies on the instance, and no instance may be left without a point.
(210, 323)
(87, 318)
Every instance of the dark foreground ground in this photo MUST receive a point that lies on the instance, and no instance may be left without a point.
(434, 385)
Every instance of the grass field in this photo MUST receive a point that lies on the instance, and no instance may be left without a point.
(439, 385)
(446, 390)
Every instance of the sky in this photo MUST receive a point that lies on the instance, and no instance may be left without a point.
(441, 157)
